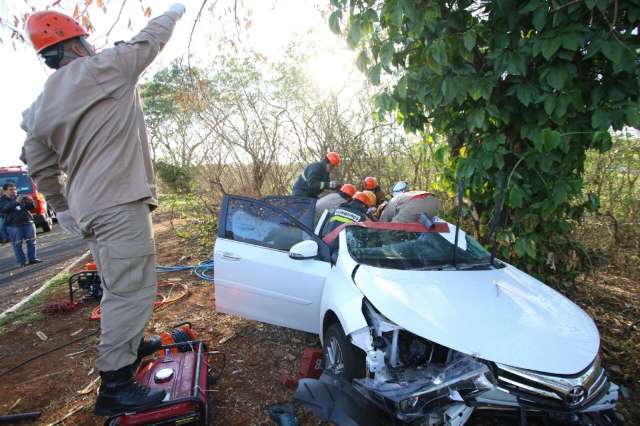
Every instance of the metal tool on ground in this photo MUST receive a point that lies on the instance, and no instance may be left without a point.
(182, 369)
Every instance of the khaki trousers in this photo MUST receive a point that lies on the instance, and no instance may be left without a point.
(121, 241)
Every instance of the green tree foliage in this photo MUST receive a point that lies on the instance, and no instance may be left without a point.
(179, 178)
(520, 89)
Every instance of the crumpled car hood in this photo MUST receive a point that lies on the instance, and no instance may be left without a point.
(502, 315)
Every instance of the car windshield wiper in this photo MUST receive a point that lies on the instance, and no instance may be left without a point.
(478, 265)
(441, 267)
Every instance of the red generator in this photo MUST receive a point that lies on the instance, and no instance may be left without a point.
(184, 375)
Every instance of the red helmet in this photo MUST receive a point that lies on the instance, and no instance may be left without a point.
(348, 189)
(370, 183)
(333, 158)
(367, 197)
(47, 28)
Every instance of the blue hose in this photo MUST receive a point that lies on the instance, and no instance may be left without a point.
(203, 270)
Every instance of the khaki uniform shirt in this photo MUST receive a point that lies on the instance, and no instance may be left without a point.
(88, 124)
(328, 202)
(407, 207)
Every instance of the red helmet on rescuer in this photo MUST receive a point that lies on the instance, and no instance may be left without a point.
(333, 158)
(367, 197)
(348, 189)
(47, 28)
(370, 183)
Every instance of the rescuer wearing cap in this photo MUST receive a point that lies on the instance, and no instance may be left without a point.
(88, 124)
(354, 210)
(334, 199)
(316, 177)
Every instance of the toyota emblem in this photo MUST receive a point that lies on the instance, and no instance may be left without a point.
(576, 395)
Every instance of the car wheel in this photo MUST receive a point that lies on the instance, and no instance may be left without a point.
(47, 224)
(340, 356)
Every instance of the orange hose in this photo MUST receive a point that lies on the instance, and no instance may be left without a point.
(158, 304)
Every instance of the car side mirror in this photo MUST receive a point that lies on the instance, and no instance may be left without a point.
(307, 249)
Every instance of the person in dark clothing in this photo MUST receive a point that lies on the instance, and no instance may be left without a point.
(19, 223)
(4, 237)
(316, 177)
(370, 183)
(354, 210)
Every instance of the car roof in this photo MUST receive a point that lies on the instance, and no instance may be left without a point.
(437, 227)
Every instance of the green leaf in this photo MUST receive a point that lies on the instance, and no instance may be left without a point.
(439, 52)
(374, 74)
(515, 197)
(552, 139)
(334, 21)
(612, 51)
(593, 202)
(539, 18)
(632, 115)
(549, 104)
(550, 46)
(571, 41)
(516, 64)
(396, 13)
(590, 4)
(524, 92)
(475, 119)
(362, 61)
(402, 87)
(530, 7)
(557, 77)
(600, 119)
(469, 39)
(386, 53)
(353, 36)
(449, 90)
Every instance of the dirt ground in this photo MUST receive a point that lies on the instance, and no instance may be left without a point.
(63, 384)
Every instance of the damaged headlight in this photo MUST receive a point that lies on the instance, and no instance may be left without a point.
(415, 392)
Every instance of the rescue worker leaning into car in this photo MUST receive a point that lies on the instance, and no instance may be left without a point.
(407, 206)
(88, 124)
(351, 211)
(334, 199)
(316, 177)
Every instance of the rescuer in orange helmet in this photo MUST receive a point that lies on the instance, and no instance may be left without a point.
(354, 210)
(334, 199)
(316, 177)
(88, 124)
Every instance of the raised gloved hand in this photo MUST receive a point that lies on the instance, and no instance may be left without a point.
(68, 223)
(334, 184)
(177, 8)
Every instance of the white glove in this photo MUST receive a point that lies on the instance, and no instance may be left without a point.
(177, 8)
(333, 184)
(68, 223)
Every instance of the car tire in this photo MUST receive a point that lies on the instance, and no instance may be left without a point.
(46, 224)
(340, 356)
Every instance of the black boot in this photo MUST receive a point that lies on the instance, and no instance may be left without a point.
(148, 346)
(119, 393)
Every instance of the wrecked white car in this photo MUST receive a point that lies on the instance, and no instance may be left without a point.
(419, 334)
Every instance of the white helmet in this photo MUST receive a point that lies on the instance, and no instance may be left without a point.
(399, 187)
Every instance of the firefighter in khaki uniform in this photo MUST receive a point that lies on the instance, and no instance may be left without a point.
(88, 124)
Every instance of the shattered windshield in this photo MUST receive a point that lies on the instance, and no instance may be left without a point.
(414, 250)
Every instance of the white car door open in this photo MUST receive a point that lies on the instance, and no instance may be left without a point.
(254, 275)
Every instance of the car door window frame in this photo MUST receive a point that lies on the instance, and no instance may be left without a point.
(323, 249)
